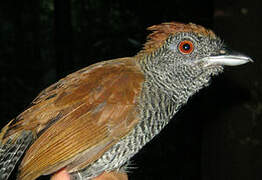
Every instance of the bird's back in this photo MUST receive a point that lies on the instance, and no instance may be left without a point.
(76, 120)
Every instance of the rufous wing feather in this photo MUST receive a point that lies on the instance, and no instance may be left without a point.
(81, 117)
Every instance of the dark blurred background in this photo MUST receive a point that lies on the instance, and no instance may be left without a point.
(216, 136)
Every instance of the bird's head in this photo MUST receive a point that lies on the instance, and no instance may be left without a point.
(186, 55)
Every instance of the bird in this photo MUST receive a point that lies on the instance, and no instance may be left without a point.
(96, 119)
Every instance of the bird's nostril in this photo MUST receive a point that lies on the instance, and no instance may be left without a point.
(222, 51)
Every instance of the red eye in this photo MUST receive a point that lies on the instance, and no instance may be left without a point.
(186, 47)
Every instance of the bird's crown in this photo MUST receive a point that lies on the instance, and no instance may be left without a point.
(161, 32)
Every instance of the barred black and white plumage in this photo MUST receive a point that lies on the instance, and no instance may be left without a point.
(96, 119)
(12, 150)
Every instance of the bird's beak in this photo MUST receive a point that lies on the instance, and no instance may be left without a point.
(227, 58)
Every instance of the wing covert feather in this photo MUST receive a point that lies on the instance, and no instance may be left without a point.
(90, 114)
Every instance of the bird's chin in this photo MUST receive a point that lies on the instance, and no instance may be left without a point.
(213, 69)
(210, 68)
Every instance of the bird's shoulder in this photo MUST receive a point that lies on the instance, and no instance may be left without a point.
(82, 115)
(95, 79)
(114, 82)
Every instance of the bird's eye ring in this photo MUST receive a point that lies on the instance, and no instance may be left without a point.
(186, 47)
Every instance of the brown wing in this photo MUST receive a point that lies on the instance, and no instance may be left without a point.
(80, 117)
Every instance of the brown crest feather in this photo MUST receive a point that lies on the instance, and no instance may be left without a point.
(162, 31)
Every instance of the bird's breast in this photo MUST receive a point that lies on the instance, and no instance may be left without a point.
(155, 110)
